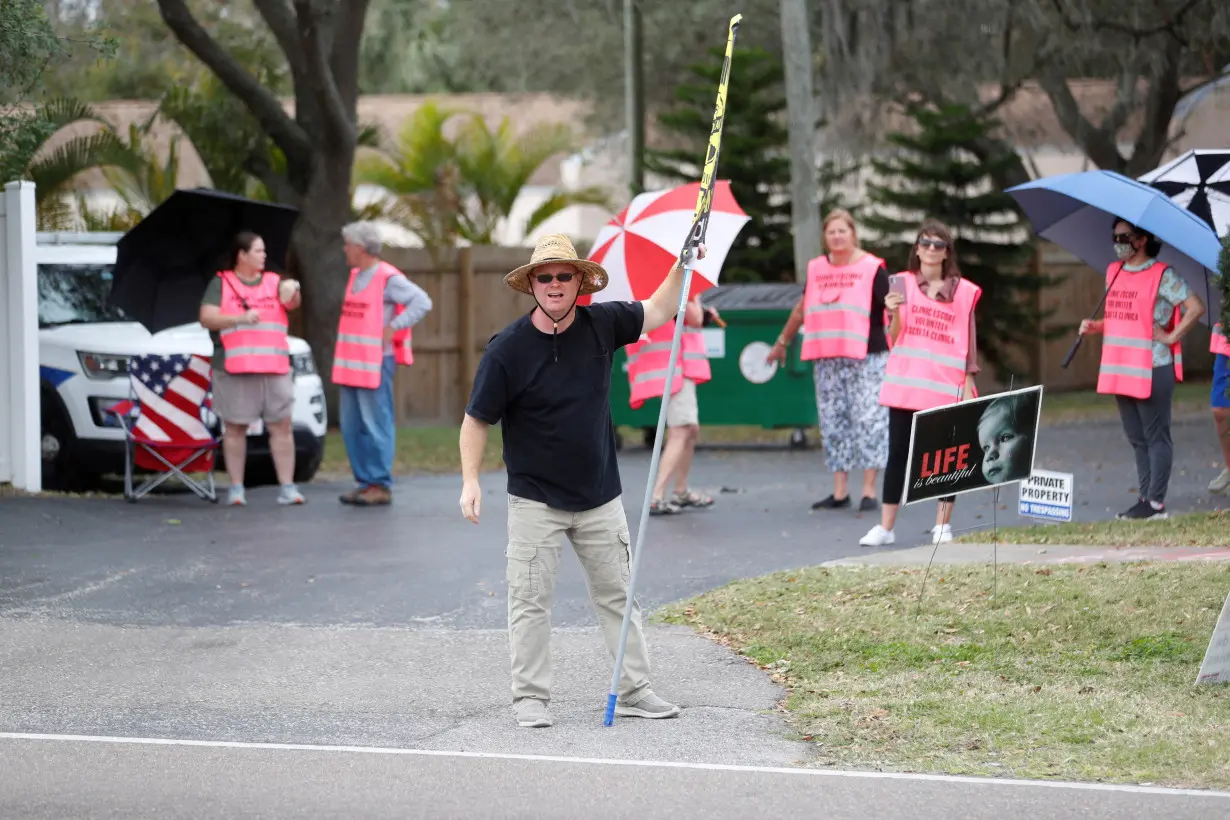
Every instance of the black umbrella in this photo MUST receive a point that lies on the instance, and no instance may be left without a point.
(1199, 180)
(165, 261)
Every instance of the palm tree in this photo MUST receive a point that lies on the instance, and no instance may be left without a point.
(446, 189)
(496, 165)
(53, 173)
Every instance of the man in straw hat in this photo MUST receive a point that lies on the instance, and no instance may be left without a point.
(546, 379)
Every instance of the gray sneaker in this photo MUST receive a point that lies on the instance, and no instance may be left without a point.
(650, 706)
(289, 494)
(532, 713)
(1219, 484)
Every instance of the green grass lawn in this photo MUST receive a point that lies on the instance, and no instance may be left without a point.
(1201, 529)
(1081, 673)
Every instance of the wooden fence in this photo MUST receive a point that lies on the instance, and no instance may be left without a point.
(471, 303)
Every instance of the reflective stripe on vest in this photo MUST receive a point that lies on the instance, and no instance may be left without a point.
(1218, 343)
(359, 353)
(1126, 367)
(837, 308)
(926, 366)
(648, 360)
(263, 347)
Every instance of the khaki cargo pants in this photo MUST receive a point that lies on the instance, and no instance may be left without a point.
(535, 542)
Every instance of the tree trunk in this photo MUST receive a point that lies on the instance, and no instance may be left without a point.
(800, 110)
(316, 247)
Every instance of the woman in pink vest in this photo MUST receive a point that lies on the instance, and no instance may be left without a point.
(932, 363)
(1219, 401)
(244, 309)
(842, 317)
(1142, 356)
(647, 363)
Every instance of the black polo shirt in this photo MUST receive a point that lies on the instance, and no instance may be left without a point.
(551, 397)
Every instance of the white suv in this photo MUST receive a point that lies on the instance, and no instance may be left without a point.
(84, 347)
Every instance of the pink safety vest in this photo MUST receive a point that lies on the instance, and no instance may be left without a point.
(837, 308)
(647, 361)
(926, 366)
(265, 346)
(1126, 368)
(359, 352)
(1218, 343)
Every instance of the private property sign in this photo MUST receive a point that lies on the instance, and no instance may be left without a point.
(1046, 495)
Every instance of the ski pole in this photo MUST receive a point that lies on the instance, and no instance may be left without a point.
(696, 236)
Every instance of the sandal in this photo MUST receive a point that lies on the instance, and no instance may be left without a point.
(661, 506)
(691, 498)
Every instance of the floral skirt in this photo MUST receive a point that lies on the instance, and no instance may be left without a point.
(853, 423)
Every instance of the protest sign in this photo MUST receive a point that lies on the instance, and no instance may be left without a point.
(972, 445)
(1216, 665)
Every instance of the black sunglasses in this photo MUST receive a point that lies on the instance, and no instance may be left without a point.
(938, 244)
(1123, 238)
(545, 278)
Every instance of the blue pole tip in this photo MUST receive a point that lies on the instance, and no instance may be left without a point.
(610, 710)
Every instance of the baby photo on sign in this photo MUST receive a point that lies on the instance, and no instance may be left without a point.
(973, 445)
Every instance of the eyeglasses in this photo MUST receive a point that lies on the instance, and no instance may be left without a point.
(938, 244)
(547, 278)
(1122, 238)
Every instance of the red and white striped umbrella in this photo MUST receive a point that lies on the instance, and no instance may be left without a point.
(641, 244)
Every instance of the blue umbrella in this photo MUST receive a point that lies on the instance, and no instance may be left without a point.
(1077, 212)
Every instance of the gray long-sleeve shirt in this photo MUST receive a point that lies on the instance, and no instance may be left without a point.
(398, 290)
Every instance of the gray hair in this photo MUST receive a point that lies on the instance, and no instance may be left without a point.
(364, 234)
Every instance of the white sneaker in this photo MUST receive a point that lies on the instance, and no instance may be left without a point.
(942, 533)
(1219, 484)
(877, 536)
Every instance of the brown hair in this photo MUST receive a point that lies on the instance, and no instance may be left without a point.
(844, 215)
(242, 244)
(938, 230)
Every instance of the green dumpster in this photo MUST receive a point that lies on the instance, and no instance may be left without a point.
(745, 389)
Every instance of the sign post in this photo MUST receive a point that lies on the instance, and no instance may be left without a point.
(1216, 665)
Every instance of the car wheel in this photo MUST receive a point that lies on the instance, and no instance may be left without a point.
(58, 441)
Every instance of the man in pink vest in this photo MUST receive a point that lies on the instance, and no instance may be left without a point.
(1142, 356)
(647, 361)
(244, 310)
(1219, 401)
(546, 380)
(380, 306)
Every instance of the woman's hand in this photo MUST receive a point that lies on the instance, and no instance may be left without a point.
(1167, 338)
(892, 301)
(777, 353)
(250, 317)
(1089, 326)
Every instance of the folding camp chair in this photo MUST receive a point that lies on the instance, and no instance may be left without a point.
(167, 421)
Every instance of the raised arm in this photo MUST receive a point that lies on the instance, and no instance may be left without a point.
(661, 307)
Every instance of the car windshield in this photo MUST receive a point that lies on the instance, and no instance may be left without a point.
(75, 294)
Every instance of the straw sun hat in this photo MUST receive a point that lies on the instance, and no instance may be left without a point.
(556, 247)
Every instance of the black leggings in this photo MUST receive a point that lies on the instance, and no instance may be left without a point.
(899, 422)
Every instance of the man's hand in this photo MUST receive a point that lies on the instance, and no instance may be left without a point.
(471, 496)
(251, 317)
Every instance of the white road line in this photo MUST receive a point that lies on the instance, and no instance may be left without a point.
(387, 750)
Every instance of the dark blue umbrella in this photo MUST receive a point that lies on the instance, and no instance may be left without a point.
(1077, 212)
(164, 262)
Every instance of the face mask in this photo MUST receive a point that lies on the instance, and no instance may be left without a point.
(1123, 251)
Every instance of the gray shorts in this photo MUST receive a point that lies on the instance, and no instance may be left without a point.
(242, 398)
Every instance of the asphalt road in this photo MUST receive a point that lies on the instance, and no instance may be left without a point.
(326, 625)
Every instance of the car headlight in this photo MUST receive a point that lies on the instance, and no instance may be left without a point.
(102, 366)
(303, 364)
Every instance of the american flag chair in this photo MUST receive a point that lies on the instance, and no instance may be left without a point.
(167, 421)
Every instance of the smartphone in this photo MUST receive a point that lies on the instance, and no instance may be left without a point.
(896, 284)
